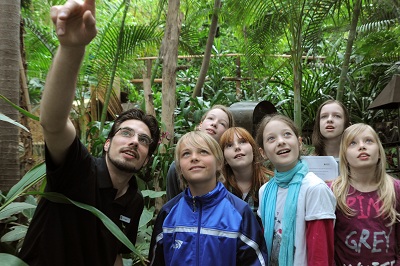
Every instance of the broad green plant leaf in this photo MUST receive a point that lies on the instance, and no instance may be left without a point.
(11, 260)
(23, 111)
(14, 208)
(9, 120)
(146, 217)
(114, 229)
(17, 232)
(153, 194)
(32, 177)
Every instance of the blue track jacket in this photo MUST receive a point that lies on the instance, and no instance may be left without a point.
(214, 229)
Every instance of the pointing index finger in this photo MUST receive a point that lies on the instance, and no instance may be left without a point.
(91, 6)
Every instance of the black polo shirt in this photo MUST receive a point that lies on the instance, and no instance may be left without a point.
(63, 234)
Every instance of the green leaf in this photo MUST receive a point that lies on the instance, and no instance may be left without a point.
(35, 175)
(9, 120)
(17, 232)
(153, 194)
(23, 111)
(114, 229)
(11, 260)
(14, 208)
(146, 217)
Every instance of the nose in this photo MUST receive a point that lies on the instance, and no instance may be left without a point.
(134, 140)
(361, 146)
(280, 140)
(194, 157)
(330, 119)
(236, 146)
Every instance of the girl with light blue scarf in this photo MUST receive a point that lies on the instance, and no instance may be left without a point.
(297, 208)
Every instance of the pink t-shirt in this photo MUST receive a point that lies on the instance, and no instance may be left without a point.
(364, 239)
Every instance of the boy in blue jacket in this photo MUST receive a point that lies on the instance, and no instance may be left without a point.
(205, 224)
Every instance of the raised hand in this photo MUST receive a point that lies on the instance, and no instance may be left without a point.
(75, 22)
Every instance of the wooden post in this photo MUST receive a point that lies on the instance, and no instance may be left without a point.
(148, 95)
(238, 75)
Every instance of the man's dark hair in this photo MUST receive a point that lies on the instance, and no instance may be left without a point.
(137, 114)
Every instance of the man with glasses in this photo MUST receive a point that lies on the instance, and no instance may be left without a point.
(63, 234)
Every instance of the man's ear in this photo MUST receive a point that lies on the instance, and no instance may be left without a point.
(106, 145)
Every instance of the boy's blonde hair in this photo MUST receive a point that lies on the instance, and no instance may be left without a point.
(386, 191)
(193, 138)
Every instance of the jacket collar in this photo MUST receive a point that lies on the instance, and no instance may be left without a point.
(207, 200)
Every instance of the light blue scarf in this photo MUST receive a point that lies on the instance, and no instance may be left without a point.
(291, 179)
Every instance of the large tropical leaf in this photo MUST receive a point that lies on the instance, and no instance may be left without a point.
(11, 260)
(21, 110)
(114, 229)
(32, 177)
(9, 120)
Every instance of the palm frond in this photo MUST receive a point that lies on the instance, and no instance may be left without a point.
(377, 26)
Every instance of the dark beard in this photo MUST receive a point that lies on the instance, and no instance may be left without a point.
(122, 166)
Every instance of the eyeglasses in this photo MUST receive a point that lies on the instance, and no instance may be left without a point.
(128, 132)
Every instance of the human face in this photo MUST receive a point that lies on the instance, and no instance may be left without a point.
(331, 122)
(238, 153)
(126, 152)
(363, 152)
(215, 123)
(199, 167)
(281, 146)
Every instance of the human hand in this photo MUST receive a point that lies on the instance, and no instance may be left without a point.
(75, 22)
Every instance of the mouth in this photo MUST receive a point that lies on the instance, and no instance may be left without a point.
(363, 155)
(284, 151)
(330, 127)
(210, 131)
(238, 156)
(131, 153)
(194, 168)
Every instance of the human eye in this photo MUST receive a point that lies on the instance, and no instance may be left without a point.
(242, 141)
(229, 145)
(144, 139)
(338, 116)
(287, 134)
(126, 133)
(185, 154)
(204, 152)
(270, 139)
(323, 116)
(352, 143)
(369, 140)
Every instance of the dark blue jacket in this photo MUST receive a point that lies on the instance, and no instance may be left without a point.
(214, 229)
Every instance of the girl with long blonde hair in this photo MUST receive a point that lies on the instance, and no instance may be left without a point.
(367, 229)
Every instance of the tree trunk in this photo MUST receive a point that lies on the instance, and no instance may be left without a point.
(169, 54)
(26, 159)
(297, 81)
(9, 80)
(148, 94)
(296, 28)
(349, 48)
(207, 53)
(170, 58)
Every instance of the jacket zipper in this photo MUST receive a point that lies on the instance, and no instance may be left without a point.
(194, 204)
(198, 234)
